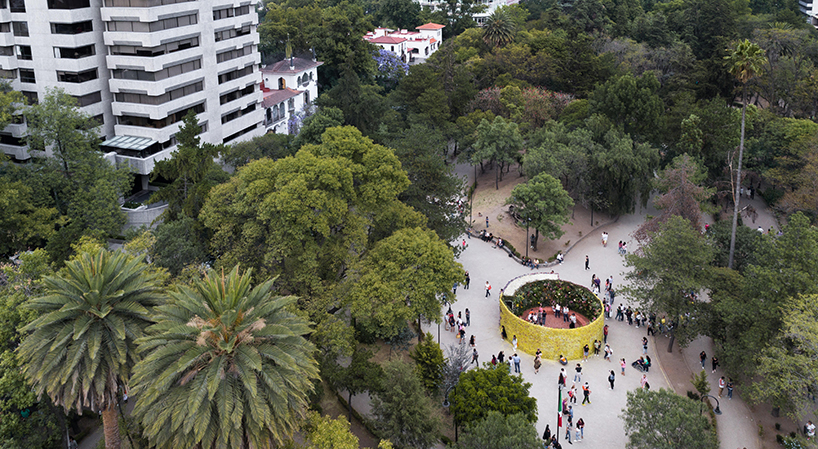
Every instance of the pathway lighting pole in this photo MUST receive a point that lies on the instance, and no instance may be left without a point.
(716, 410)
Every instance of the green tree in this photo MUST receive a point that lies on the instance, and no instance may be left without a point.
(429, 362)
(358, 376)
(179, 243)
(81, 349)
(789, 364)
(500, 143)
(226, 365)
(631, 103)
(484, 390)
(399, 14)
(338, 41)
(271, 145)
(191, 171)
(315, 125)
(665, 271)
(402, 410)
(745, 62)
(542, 203)
(324, 432)
(664, 420)
(404, 276)
(498, 431)
(498, 31)
(23, 223)
(361, 104)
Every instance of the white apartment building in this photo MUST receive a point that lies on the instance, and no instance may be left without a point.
(480, 18)
(809, 9)
(138, 66)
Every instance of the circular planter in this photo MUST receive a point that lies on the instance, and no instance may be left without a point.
(551, 341)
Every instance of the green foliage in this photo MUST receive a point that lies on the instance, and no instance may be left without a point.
(661, 419)
(23, 223)
(397, 14)
(483, 390)
(191, 171)
(499, 28)
(225, 364)
(315, 125)
(499, 142)
(549, 292)
(361, 104)
(700, 382)
(179, 243)
(403, 277)
(542, 203)
(403, 412)
(673, 264)
(429, 362)
(324, 432)
(271, 145)
(631, 103)
(358, 376)
(498, 431)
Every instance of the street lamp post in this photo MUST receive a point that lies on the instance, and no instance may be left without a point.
(716, 410)
(527, 244)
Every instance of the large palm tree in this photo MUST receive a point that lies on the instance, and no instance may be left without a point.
(82, 348)
(226, 366)
(498, 30)
(745, 62)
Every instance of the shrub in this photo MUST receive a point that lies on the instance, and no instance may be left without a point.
(551, 292)
(429, 362)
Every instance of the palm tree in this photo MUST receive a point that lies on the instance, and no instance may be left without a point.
(226, 366)
(745, 63)
(499, 28)
(82, 348)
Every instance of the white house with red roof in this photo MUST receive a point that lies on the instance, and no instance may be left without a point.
(410, 46)
(288, 86)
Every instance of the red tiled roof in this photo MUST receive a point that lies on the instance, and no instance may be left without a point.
(431, 26)
(300, 65)
(387, 40)
(277, 96)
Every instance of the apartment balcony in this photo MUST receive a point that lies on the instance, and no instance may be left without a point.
(152, 63)
(77, 65)
(238, 124)
(8, 62)
(153, 88)
(146, 14)
(81, 89)
(7, 40)
(159, 111)
(149, 39)
(17, 152)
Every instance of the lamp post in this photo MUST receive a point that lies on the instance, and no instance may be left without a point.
(716, 410)
(527, 243)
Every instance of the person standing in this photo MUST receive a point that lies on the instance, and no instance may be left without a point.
(474, 357)
(608, 353)
(703, 358)
(514, 343)
(488, 289)
(471, 341)
(581, 429)
(605, 333)
(644, 345)
(561, 381)
(467, 281)
(612, 378)
(578, 375)
(568, 429)
(714, 363)
(622, 364)
(810, 430)
(605, 239)
(730, 388)
(597, 347)
(587, 263)
(468, 317)
(537, 364)
(585, 350)
(644, 380)
(546, 436)
(586, 394)
(722, 384)
(516, 360)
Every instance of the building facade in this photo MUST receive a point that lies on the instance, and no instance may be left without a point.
(288, 87)
(138, 66)
(411, 47)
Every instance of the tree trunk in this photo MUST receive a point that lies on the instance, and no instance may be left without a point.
(737, 191)
(110, 423)
(536, 238)
(496, 177)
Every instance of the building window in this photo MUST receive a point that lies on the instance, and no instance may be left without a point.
(233, 54)
(100, 119)
(240, 133)
(31, 97)
(235, 74)
(75, 53)
(231, 33)
(141, 75)
(150, 27)
(8, 74)
(8, 139)
(27, 76)
(20, 28)
(170, 47)
(68, 4)
(24, 52)
(141, 3)
(77, 77)
(72, 28)
(160, 99)
(85, 100)
(6, 51)
(225, 13)
(5, 27)
(236, 94)
(236, 114)
(18, 6)
(160, 123)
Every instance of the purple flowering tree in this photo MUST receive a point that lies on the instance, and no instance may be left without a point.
(296, 119)
(390, 68)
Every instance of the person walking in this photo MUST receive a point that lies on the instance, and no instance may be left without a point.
(581, 428)
(608, 353)
(586, 394)
(561, 381)
(516, 360)
(722, 384)
(467, 281)
(537, 364)
(468, 317)
(514, 343)
(471, 341)
(578, 375)
(703, 358)
(585, 351)
(644, 380)
(605, 334)
(605, 239)
(622, 364)
(730, 388)
(714, 363)
(488, 289)
(587, 263)
(612, 378)
(474, 357)
(568, 429)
